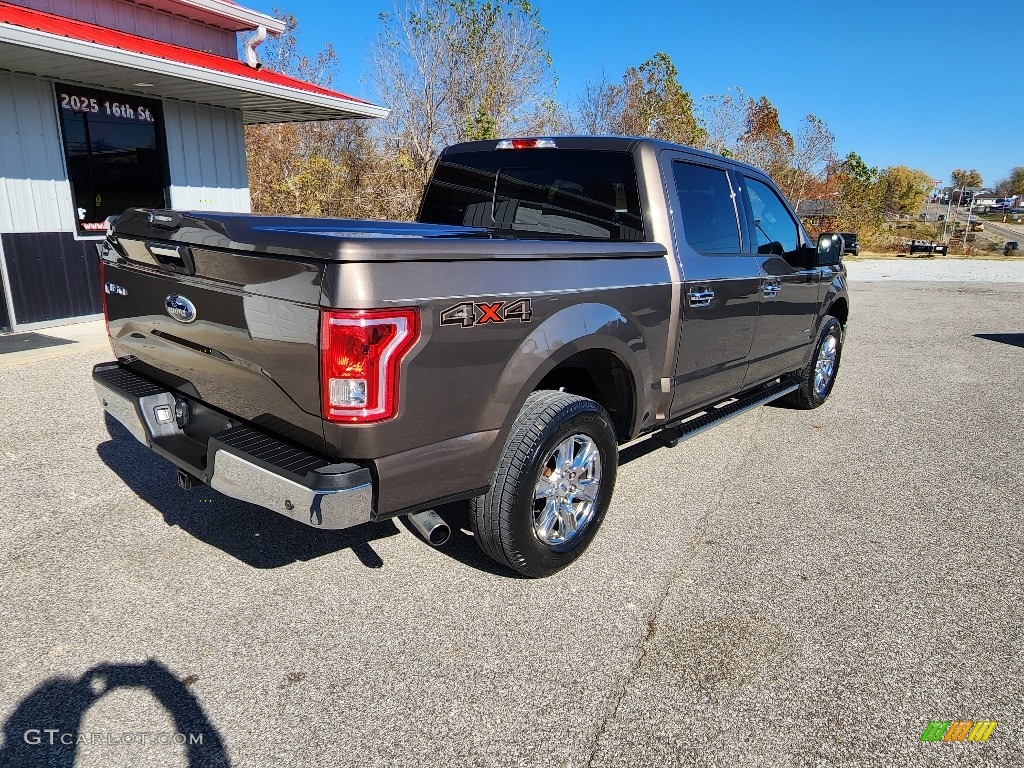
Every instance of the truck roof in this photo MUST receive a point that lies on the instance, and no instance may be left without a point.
(606, 143)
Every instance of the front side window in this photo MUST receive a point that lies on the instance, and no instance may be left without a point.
(707, 206)
(775, 228)
(113, 145)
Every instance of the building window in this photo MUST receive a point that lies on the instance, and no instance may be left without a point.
(114, 147)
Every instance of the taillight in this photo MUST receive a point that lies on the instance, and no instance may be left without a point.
(103, 295)
(361, 354)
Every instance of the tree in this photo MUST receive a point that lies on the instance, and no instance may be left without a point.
(813, 154)
(854, 185)
(763, 142)
(453, 70)
(723, 116)
(654, 104)
(903, 189)
(599, 110)
(962, 178)
(276, 154)
(1012, 184)
(332, 168)
(649, 102)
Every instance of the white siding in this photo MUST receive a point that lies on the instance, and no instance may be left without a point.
(143, 21)
(35, 195)
(206, 153)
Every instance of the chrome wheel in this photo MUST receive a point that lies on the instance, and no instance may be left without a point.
(825, 367)
(565, 497)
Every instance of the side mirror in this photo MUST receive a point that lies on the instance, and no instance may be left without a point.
(830, 248)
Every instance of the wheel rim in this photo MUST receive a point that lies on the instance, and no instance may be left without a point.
(567, 490)
(825, 368)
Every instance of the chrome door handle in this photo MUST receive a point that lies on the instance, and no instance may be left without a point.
(770, 290)
(701, 298)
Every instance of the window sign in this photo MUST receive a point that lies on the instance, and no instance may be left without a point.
(114, 148)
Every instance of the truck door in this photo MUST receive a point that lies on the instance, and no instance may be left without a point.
(721, 280)
(789, 285)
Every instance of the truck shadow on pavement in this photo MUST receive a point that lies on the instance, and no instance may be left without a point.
(45, 729)
(256, 536)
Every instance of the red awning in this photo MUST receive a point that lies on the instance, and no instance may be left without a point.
(45, 44)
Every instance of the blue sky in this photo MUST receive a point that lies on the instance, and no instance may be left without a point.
(933, 85)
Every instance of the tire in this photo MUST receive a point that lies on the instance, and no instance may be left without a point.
(538, 535)
(814, 391)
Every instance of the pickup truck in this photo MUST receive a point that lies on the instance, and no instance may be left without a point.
(556, 298)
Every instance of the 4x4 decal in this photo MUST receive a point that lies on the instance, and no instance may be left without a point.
(467, 314)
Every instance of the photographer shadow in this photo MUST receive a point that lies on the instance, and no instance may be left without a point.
(256, 536)
(54, 711)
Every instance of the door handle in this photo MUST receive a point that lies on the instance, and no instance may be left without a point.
(701, 298)
(770, 290)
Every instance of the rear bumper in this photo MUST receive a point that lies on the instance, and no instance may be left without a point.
(235, 459)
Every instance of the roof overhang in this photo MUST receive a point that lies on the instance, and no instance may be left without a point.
(40, 44)
(220, 13)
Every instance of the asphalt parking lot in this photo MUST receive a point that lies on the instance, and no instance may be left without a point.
(788, 589)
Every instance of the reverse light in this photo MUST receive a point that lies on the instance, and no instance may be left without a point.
(526, 144)
(361, 354)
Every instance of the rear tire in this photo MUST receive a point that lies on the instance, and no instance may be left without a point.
(552, 486)
(817, 378)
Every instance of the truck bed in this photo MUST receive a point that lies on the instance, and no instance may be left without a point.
(353, 240)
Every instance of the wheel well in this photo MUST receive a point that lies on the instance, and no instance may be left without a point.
(601, 376)
(840, 310)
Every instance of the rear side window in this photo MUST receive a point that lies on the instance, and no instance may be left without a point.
(556, 193)
(707, 206)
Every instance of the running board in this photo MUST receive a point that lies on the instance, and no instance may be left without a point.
(672, 435)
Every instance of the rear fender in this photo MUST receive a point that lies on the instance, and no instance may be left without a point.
(568, 332)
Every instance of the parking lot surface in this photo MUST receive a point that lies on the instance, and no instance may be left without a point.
(937, 270)
(788, 589)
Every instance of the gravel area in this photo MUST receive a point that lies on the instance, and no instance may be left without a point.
(929, 270)
(789, 589)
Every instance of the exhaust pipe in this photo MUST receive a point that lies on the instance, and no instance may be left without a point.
(431, 527)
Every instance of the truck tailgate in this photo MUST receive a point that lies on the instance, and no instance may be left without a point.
(237, 332)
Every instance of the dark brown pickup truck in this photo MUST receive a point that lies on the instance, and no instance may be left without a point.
(556, 298)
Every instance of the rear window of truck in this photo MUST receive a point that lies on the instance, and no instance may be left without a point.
(549, 193)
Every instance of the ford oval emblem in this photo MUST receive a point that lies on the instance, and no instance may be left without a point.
(180, 308)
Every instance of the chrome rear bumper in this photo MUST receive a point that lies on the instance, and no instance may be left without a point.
(238, 461)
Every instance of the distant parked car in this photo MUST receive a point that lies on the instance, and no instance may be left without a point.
(850, 244)
(1012, 245)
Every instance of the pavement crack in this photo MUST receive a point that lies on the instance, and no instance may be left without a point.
(749, 439)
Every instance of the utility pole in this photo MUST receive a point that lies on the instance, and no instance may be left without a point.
(945, 223)
(967, 231)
